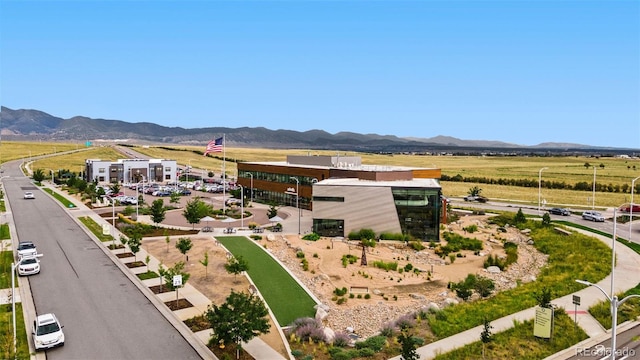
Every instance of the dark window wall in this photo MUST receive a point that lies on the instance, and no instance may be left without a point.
(419, 212)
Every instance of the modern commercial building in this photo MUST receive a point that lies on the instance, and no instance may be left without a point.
(130, 171)
(346, 196)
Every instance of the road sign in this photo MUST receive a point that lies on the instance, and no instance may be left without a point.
(576, 299)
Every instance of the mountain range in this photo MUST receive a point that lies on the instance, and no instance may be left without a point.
(24, 124)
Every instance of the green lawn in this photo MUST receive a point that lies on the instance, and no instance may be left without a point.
(6, 258)
(274, 282)
(60, 198)
(4, 232)
(6, 333)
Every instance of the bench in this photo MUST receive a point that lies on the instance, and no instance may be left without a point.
(207, 229)
(359, 289)
(229, 231)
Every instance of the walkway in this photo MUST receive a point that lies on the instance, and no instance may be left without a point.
(628, 263)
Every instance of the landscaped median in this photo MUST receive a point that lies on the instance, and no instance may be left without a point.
(276, 285)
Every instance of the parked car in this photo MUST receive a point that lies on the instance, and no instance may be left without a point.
(559, 211)
(635, 208)
(29, 195)
(47, 332)
(26, 248)
(129, 200)
(593, 216)
(29, 266)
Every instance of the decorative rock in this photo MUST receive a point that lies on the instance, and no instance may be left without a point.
(450, 301)
(433, 306)
(494, 270)
(321, 314)
(417, 296)
(329, 334)
(376, 292)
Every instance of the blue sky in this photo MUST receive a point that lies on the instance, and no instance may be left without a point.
(522, 72)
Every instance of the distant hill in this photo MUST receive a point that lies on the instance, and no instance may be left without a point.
(37, 125)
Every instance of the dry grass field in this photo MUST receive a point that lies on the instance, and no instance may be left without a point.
(609, 171)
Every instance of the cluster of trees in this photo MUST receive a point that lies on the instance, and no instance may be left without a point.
(547, 184)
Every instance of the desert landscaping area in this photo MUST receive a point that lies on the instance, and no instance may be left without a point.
(391, 294)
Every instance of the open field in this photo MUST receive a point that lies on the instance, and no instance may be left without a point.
(616, 172)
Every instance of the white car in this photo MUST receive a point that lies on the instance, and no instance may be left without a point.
(29, 266)
(26, 249)
(29, 195)
(47, 332)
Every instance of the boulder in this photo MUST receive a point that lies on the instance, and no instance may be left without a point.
(493, 270)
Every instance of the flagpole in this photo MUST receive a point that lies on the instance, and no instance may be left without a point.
(224, 174)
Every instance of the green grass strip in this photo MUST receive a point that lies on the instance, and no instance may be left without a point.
(60, 198)
(4, 232)
(95, 228)
(286, 298)
(6, 258)
(148, 275)
(6, 333)
(519, 343)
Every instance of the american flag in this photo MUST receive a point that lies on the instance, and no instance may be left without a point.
(214, 146)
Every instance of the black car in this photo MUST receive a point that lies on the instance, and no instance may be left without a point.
(559, 211)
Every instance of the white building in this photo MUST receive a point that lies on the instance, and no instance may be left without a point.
(131, 171)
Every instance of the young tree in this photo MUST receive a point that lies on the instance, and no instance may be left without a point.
(241, 318)
(543, 298)
(546, 219)
(123, 241)
(158, 211)
(135, 240)
(115, 188)
(162, 271)
(184, 244)
(177, 269)
(409, 344)
(147, 260)
(485, 335)
(167, 240)
(38, 175)
(195, 210)
(236, 266)
(474, 191)
(174, 198)
(273, 211)
(205, 263)
(520, 218)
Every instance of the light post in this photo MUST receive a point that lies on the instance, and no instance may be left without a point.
(297, 200)
(251, 187)
(633, 184)
(137, 196)
(241, 206)
(613, 299)
(615, 304)
(13, 296)
(188, 170)
(593, 197)
(540, 187)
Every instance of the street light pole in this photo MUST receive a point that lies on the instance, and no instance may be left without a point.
(633, 184)
(593, 198)
(251, 187)
(615, 304)
(241, 206)
(297, 200)
(540, 187)
(613, 299)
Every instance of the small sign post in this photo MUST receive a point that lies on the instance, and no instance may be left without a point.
(576, 302)
(177, 283)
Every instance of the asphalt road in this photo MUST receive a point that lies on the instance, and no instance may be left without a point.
(105, 316)
(627, 346)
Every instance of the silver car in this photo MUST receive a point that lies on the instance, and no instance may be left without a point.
(593, 216)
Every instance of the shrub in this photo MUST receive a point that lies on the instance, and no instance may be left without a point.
(392, 265)
(341, 301)
(341, 339)
(300, 255)
(340, 292)
(471, 228)
(416, 245)
(348, 259)
(311, 237)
